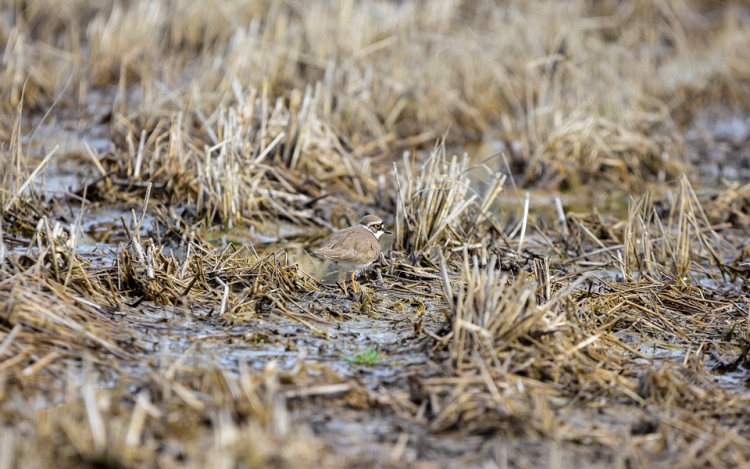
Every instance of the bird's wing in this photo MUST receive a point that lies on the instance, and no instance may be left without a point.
(342, 247)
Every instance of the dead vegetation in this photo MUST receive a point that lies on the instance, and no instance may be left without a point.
(534, 352)
(243, 422)
(494, 334)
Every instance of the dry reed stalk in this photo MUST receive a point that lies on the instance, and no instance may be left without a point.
(439, 207)
(535, 69)
(487, 397)
(579, 346)
(239, 422)
(430, 204)
(729, 207)
(674, 247)
(587, 149)
(251, 162)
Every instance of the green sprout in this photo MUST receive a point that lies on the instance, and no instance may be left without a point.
(366, 357)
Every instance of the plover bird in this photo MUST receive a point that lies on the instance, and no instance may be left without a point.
(354, 248)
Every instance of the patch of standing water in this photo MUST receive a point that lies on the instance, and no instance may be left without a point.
(199, 338)
(71, 139)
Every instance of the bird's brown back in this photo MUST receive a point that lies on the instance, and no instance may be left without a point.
(354, 245)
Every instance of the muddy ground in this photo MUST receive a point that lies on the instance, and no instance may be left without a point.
(566, 282)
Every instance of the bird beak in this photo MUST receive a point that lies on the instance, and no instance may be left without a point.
(387, 231)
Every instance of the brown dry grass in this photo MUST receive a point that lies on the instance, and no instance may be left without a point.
(587, 89)
(594, 331)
